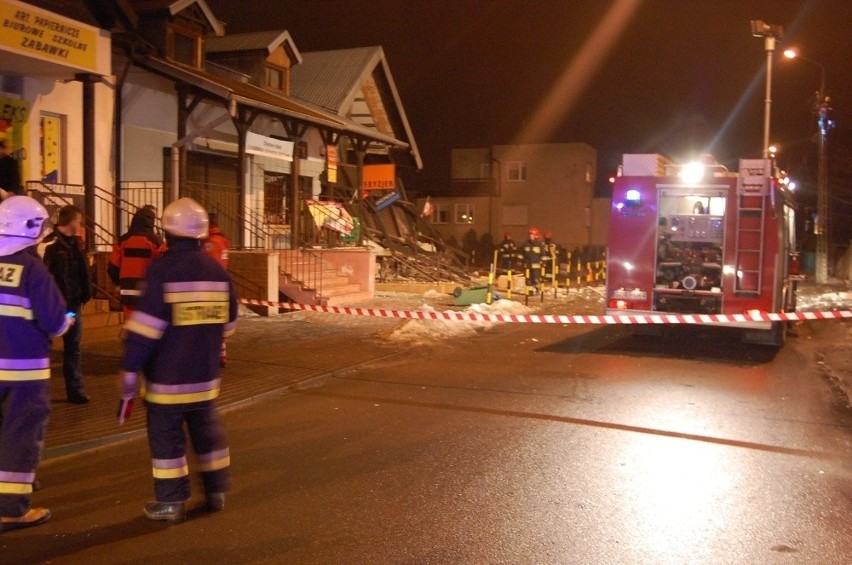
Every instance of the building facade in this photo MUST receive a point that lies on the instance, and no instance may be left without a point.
(510, 188)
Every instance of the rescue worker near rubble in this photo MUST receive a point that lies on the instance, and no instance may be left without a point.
(216, 246)
(32, 312)
(551, 255)
(189, 303)
(131, 256)
(507, 253)
(532, 252)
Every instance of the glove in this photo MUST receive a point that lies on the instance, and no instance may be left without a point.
(127, 388)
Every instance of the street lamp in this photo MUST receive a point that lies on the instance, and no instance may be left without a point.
(770, 34)
(823, 124)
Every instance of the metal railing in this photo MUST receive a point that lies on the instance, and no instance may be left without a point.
(57, 195)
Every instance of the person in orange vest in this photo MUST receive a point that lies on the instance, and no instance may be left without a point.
(216, 246)
(131, 255)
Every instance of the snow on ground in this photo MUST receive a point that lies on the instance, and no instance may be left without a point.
(426, 331)
(837, 295)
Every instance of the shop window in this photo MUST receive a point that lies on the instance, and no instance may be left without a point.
(274, 197)
(464, 214)
(516, 171)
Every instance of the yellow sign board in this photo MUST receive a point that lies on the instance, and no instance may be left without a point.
(47, 36)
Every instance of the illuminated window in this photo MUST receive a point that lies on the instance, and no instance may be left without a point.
(464, 214)
(516, 171)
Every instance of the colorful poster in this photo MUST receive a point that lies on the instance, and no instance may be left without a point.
(13, 116)
(51, 146)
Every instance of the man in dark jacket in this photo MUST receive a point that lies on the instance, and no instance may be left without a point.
(32, 312)
(10, 176)
(131, 256)
(189, 304)
(66, 261)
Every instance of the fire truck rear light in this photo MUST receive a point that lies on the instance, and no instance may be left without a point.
(620, 304)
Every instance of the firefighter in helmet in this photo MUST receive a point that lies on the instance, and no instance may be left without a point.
(33, 312)
(507, 253)
(188, 305)
(551, 256)
(532, 252)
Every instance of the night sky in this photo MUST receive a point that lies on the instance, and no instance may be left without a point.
(679, 77)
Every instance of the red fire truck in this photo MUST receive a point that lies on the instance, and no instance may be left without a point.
(698, 239)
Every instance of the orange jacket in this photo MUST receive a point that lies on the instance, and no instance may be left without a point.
(216, 246)
(128, 262)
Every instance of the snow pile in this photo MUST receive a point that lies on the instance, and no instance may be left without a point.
(428, 331)
(813, 300)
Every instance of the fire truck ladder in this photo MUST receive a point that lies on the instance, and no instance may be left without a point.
(748, 246)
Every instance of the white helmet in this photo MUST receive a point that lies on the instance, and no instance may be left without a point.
(22, 222)
(186, 218)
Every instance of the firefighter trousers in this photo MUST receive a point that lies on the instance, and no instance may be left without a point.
(24, 409)
(167, 443)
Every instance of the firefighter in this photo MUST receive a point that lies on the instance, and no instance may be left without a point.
(551, 255)
(532, 252)
(131, 255)
(216, 246)
(32, 312)
(507, 253)
(188, 305)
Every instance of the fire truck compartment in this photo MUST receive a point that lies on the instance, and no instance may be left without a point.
(688, 302)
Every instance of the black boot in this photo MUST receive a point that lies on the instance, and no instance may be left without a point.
(215, 501)
(171, 512)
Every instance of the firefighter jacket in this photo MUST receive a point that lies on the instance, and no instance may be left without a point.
(189, 304)
(32, 312)
(216, 246)
(131, 256)
(532, 252)
(66, 261)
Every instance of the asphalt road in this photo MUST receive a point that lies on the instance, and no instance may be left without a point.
(523, 444)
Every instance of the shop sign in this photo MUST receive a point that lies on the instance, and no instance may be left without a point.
(47, 36)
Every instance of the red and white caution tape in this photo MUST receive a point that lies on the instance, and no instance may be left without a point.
(561, 318)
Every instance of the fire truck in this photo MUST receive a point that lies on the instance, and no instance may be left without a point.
(699, 239)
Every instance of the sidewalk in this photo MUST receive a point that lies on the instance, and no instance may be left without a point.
(264, 356)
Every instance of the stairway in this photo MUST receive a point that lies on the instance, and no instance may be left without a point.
(307, 279)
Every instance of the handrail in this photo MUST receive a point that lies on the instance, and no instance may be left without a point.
(43, 187)
(243, 217)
